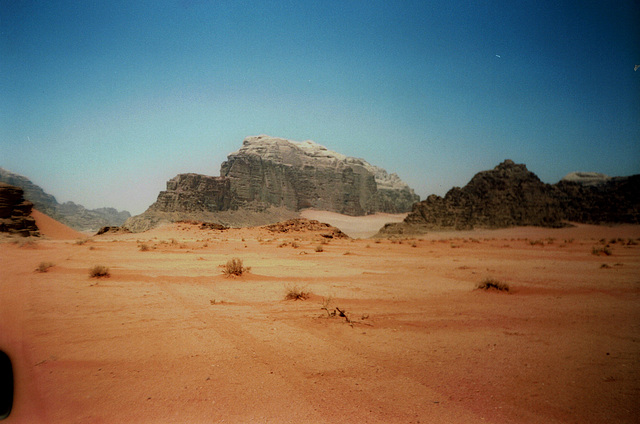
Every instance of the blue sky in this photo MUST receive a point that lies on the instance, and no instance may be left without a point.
(101, 102)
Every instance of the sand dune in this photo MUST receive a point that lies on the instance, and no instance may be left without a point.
(168, 338)
(53, 229)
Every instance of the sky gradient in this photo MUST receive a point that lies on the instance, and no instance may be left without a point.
(101, 102)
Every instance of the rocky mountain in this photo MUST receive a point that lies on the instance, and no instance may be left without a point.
(270, 174)
(15, 211)
(69, 213)
(511, 195)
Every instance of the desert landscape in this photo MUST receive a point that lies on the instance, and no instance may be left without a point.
(319, 212)
(389, 330)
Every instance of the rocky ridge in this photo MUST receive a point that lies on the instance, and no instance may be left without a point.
(69, 213)
(511, 195)
(269, 177)
(15, 211)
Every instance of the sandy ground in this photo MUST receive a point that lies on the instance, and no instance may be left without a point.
(168, 338)
(354, 226)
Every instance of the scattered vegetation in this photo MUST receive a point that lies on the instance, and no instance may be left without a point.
(493, 284)
(144, 247)
(99, 271)
(44, 266)
(319, 248)
(80, 242)
(234, 267)
(339, 312)
(293, 292)
(536, 242)
(27, 244)
(601, 251)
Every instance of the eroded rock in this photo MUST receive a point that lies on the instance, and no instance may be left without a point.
(15, 211)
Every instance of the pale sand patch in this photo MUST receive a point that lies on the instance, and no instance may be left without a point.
(354, 226)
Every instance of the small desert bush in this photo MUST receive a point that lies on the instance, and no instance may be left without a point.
(295, 293)
(493, 284)
(44, 266)
(234, 267)
(99, 271)
(319, 248)
(601, 250)
(144, 247)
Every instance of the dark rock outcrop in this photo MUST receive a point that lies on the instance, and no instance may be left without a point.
(69, 213)
(510, 195)
(270, 175)
(15, 211)
(112, 230)
(302, 225)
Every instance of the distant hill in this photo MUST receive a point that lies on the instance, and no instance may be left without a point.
(511, 195)
(270, 179)
(71, 214)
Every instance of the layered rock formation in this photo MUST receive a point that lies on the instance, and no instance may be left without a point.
(302, 175)
(269, 177)
(15, 211)
(71, 214)
(511, 195)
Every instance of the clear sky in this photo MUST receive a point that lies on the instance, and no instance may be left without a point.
(101, 102)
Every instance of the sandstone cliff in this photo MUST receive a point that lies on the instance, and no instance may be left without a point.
(302, 175)
(511, 195)
(15, 211)
(69, 213)
(269, 179)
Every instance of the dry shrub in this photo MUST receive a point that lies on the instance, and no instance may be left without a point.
(295, 293)
(319, 248)
(234, 267)
(44, 266)
(601, 250)
(99, 271)
(493, 284)
(144, 247)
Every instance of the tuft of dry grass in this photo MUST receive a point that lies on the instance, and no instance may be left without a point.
(295, 293)
(44, 266)
(99, 271)
(144, 247)
(493, 284)
(319, 248)
(234, 267)
(601, 250)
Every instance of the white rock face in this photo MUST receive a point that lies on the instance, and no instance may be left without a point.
(310, 153)
(587, 178)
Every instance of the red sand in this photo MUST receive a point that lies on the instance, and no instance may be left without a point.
(52, 229)
(168, 338)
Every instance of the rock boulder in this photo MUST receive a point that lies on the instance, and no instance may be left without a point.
(15, 211)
